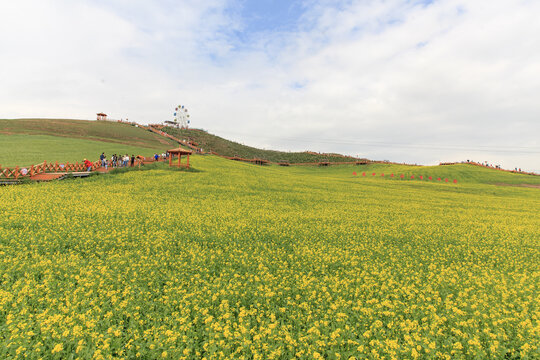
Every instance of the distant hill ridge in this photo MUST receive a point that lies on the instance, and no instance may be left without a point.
(136, 135)
(216, 144)
(83, 138)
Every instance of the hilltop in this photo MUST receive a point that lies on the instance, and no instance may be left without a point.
(107, 131)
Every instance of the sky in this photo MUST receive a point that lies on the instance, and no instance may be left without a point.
(401, 80)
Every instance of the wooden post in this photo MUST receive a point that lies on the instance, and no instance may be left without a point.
(17, 172)
(170, 159)
(179, 159)
(56, 166)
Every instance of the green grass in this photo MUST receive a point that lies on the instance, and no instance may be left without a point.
(24, 150)
(230, 148)
(244, 261)
(89, 130)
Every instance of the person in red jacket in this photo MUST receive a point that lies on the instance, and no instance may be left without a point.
(88, 164)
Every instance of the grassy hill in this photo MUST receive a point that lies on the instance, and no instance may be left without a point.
(25, 150)
(31, 141)
(246, 261)
(462, 172)
(106, 131)
(230, 148)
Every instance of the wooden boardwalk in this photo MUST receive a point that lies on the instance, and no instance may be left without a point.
(53, 171)
(48, 176)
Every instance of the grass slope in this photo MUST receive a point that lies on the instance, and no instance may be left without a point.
(24, 150)
(244, 261)
(89, 130)
(230, 148)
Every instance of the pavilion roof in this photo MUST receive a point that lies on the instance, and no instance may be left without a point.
(180, 151)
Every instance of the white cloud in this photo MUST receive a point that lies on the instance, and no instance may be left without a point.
(384, 79)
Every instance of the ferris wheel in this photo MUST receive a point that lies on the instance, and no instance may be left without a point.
(181, 117)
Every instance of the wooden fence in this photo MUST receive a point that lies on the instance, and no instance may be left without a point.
(21, 172)
(45, 167)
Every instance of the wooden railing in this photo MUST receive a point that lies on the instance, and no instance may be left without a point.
(162, 133)
(45, 167)
(21, 172)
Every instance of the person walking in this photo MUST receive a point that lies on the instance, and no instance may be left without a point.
(88, 165)
(132, 160)
(103, 160)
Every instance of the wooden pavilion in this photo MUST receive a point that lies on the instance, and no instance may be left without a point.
(101, 116)
(179, 152)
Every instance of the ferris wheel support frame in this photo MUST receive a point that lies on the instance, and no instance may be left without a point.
(181, 117)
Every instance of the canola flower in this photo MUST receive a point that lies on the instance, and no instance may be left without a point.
(245, 262)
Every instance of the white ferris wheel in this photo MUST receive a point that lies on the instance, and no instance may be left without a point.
(181, 117)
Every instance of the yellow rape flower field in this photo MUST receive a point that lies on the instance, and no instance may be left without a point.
(237, 261)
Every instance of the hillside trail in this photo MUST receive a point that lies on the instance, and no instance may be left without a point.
(164, 134)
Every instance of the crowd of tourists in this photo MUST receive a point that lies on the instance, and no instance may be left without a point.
(487, 164)
(162, 156)
(120, 161)
(115, 161)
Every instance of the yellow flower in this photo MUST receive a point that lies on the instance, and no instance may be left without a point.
(57, 348)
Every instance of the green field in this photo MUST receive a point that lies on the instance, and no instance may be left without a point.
(250, 262)
(25, 150)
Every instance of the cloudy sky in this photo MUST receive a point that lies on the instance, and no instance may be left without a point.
(413, 81)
